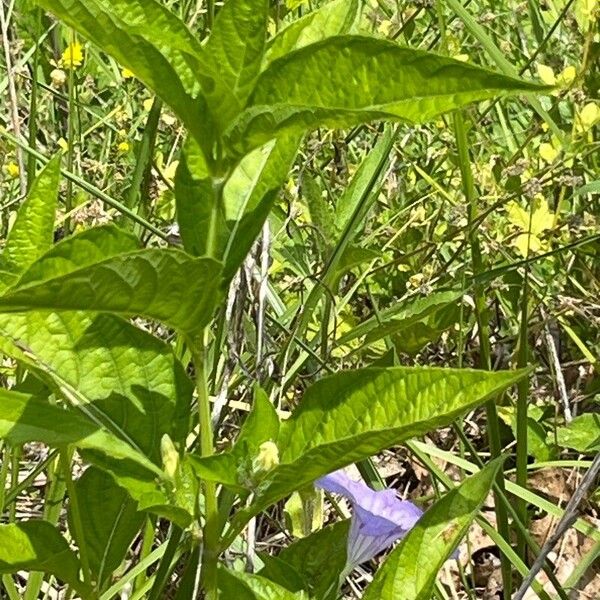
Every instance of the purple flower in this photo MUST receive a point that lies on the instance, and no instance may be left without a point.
(378, 518)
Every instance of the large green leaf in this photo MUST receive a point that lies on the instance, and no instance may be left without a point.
(410, 571)
(38, 546)
(126, 377)
(166, 285)
(144, 36)
(233, 56)
(373, 79)
(349, 416)
(318, 559)
(244, 586)
(109, 519)
(334, 18)
(26, 419)
(32, 232)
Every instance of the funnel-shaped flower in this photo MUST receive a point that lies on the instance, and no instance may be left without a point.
(378, 518)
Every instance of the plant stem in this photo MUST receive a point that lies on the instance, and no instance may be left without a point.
(211, 514)
(484, 339)
(70, 136)
(76, 516)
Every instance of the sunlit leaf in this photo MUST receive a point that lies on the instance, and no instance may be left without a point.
(166, 285)
(373, 79)
(394, 404)
(38, 546)
(32, 232)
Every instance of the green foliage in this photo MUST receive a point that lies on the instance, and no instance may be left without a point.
(27, 419)
(38, 546)
(148, 39)
(396, 404)
(95, 373)
(409, 573)
(372, 80)
(166, 285)
(31, 234)
(110, 522)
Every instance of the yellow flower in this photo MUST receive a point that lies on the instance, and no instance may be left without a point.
(72, 57)
(548, 152)
(127, 73)
(587, 117)
(62, 144)
(546, 74)
(123, 148)
(147, 104)
(12, 169)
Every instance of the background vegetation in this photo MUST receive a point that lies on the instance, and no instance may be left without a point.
(477, 245)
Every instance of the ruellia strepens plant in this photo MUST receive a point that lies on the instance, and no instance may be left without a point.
(118, 342)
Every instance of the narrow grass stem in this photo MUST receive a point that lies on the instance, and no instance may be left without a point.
(484, 338)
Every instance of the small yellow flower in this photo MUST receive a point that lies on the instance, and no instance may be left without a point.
(62, 144)
(123, 147)
(546, 74)
(72, 57)
(12, 169)
(548, 152)
(58, 77)
(127, 73)
(147, 104)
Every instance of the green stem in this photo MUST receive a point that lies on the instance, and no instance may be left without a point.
(147, 542)
(521, 416)
(484, 338)
(76, 516)
(71, 147)
(210, 538)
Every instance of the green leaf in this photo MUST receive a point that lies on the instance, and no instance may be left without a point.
(334, 18)
(410, 572)
(349, 416)
(125, 376)
(582, 434)
(148, 39)
(201, 220)
(109, 519)
(321, 213)
(235, 467)
(320, 558)
(33, 231)
(82, 250)
(401, 316)
(373, 79)
(354, 204)
(38, 546)
(166, 285)
(249, 195)
(25, 419)
(233, 56)
(244, 586)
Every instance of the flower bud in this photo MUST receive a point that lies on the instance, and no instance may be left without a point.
(267, 457)
(170, 457)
